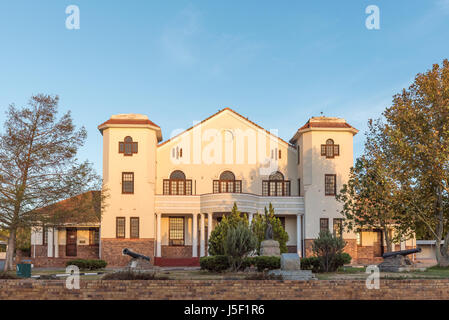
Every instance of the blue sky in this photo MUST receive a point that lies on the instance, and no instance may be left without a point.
(276, 62)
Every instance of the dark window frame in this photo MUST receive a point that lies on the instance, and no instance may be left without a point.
(94, 236)
(176, 241)
(182, 189)
(330, 150)
(327, 191)
(335, 222)
(44, 236)
(131, 235)
(123, 182)
(227, 183)
(128, 147)
(322, 228)
(117, 233)
(282, 187)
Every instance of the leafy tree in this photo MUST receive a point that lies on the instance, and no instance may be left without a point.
(259, 225)
(417, 128)
(370, 197)
(218, 235)
(239, 242)
(328, 247)
(38, 165)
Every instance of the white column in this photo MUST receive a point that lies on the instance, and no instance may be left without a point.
(250, 218)
(194, 235)
(403, 245)
(56, 243)
(49, 242)
(202, 236)
(298, 234)
(158, 235)
(209, 226)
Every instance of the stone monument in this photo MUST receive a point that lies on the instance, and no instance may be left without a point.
(291, 268)
(269, 247)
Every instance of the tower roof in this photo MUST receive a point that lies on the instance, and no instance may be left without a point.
(131, 120)
(324, 123)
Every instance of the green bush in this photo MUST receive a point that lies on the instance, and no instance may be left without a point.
(248, 262)
(218, 235)
(327, 247)
(86, 264)
(239, 242)
(314, 263)
(341, 259)
(215, 263)
(311, 263)
(267, 262)
(259, 226)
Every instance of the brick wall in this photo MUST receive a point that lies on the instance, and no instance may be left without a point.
(225, 289)
(111, 250)
(177, 251)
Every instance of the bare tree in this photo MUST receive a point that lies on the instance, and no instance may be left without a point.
(38, 165)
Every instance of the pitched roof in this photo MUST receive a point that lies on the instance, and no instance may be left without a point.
(217, 113)
(82, 208)
(129, 121)
(326, 125)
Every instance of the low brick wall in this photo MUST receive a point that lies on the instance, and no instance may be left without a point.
(225, 289)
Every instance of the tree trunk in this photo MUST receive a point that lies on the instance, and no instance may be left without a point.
(10, 251)
(387, 240)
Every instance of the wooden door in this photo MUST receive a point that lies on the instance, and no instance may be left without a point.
(70, 248)
(378, 243)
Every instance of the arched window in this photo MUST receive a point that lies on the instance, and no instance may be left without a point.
(128, 147)
(177, 184)
(276, 176)
(227, 175)
(177, 175)
(330, 149)
(276, 185)
(227, 183)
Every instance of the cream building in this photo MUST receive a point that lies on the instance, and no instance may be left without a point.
(165, 197)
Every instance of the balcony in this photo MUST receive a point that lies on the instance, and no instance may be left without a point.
(223, 202)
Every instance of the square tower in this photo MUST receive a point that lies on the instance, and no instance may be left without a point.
(129, 178)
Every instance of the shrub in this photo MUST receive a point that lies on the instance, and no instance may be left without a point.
(130, 275)
(259, 225)
(218, 235)
(248, 262)
(267, 262)
(87, 264)
(326, 247)
(314, 263)
(311, 263)
(215, 263)
(239, 242)
(341, 259)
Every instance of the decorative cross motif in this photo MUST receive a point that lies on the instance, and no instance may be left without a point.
(127, 147)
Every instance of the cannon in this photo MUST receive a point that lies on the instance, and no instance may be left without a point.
(397, 261)
(135, 255)
(401, 253)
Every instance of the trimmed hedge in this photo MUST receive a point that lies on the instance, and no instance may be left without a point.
(313, 263)
(221, 263)
(215, 263)
(87, 264)
(267, 262)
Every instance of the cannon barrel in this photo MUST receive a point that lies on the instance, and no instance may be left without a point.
(134, 254)
(401, 253)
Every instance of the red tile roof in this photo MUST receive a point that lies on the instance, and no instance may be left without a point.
(326, 124)
(129, 121)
